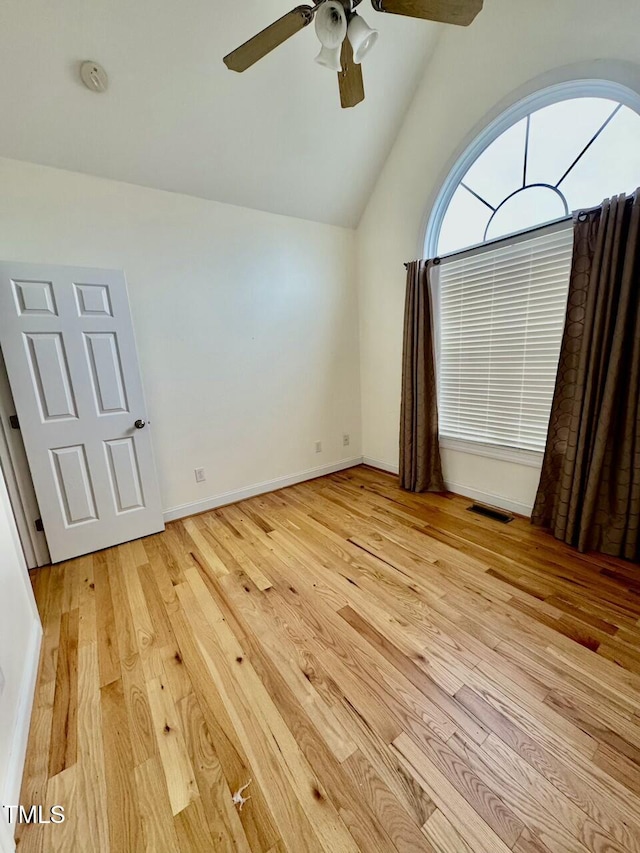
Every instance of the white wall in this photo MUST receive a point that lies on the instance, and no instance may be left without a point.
(246, 322)
(513, 48)
(20, 635)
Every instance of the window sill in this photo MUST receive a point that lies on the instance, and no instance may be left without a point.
(531, 458)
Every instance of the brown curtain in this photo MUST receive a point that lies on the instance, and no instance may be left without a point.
(420, 469)
(589, 492)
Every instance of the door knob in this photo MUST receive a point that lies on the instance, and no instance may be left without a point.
(140, 424)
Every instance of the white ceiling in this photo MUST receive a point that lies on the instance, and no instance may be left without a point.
(273, 138)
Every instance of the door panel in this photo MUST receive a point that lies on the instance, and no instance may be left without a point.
(106, 372)
(125, 474)
(73, 480)
(35, 297)
(50, 375)
(93, 300)
(69, 349)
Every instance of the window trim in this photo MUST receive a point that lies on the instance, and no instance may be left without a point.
(594, 88)
(530, 458)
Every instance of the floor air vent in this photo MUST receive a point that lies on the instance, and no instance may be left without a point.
(493, 512)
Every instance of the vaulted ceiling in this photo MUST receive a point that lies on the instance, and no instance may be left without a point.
(273, 138)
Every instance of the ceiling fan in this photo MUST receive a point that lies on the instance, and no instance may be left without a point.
(344, 35)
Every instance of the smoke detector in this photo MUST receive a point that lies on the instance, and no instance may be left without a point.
(94, 76)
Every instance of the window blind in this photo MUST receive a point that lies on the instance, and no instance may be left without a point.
(501, 318)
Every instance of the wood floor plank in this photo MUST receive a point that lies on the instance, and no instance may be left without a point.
(133, 591)
(122, 606)
(536, 817)
(192, 829)
(262, 728)
(592, 797)
(573, 819)
(341, 787)
(277, 651)
(66, 836)
(468, 822)
(403, 832)
(91, 779)
(486, 801)
(158, 829)
(106, 626)
(375, 670)
(256, 817)
(415, 675)
(122, 806)
(87, 630)
(136, 700)
(618, 767)
(161, 627)
(622, 735)
(179, 775)
(64, 725)
(222, 817)
(443, 835)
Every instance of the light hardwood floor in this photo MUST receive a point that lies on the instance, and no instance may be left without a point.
(387, 671)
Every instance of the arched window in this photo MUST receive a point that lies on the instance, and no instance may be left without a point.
(500, 306)
(562, 149)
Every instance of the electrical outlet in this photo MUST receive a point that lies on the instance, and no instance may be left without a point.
(345, 439)
(199, 472)
(318, 447)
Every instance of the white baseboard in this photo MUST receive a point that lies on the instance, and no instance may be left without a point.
(257, 489)
(488, 498)
(460, 489)
(383, 466)
(281, 482)
(13, 777)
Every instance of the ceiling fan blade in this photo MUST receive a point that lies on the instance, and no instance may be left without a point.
(251, 51)
(460, 12)
(350, 78)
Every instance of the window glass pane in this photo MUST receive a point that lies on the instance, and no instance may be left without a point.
(498, 170)
(526, 209)
(559, 132)
(610, 166)
(464, 222)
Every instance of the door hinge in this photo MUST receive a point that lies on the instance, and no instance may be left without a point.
(14, 422)
(39, 525)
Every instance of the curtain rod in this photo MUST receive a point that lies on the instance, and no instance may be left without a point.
(491, 243)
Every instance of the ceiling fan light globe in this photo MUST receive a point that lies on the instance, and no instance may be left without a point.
(361, 36)
(331, 24)
(330, 58)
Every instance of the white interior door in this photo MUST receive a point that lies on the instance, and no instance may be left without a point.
(68, 344)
